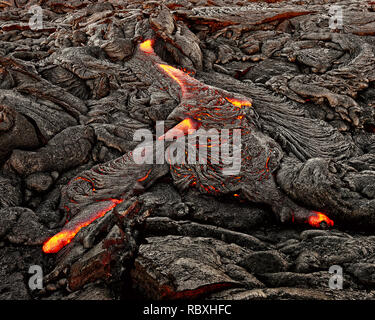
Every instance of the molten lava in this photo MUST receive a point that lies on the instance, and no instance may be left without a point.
(146, 46)
(318, 217)
(187, 126)
(177, 75)
(64, 237)
(239, 103)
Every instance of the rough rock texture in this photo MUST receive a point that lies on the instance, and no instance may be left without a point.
(73, 93)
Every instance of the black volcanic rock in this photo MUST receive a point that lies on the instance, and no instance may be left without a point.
(73, 93)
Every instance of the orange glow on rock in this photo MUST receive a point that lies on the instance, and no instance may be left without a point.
(187, 126)
(146, 46)
(239, 103)
(145, 177)
(64, 237)
(318, 217)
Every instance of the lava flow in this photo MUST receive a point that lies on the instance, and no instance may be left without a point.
(177, 75)
(318, 218)
(190, 88)
(64, 237)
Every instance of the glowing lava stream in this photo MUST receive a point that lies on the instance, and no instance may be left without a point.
(64, 237)
(182, 78)
(177, 75)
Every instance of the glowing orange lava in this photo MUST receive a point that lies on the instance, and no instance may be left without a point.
(64, 237)
(146, 46)
(239, 103)
(176, 75)
(187, 126)
(318, 218)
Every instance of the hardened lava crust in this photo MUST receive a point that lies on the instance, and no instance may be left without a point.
(80, 219)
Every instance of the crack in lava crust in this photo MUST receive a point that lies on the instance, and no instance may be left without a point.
(64, 237)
